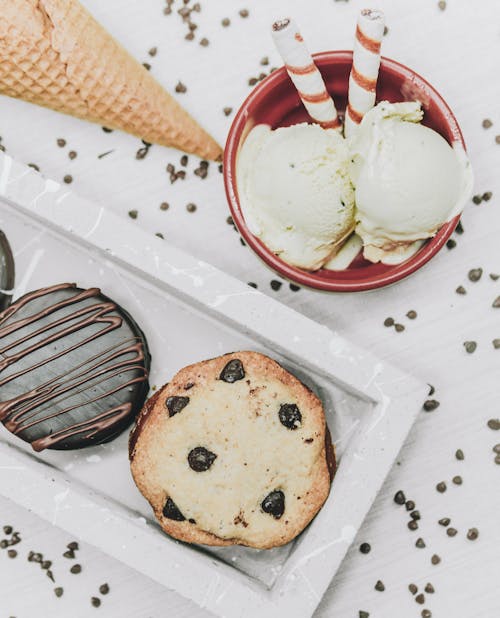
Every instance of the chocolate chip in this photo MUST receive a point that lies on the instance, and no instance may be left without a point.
(457, 480)
(50, 575)
(290, 416)
(477, 199)
(170, 511)
(204, 42)
(432, 390)
(411, 315)
(415, 515)
(451, 244)
(176, 404)
(444, 521)
(184, 160)
(252, 81)
(430, 405)
(75, 569)
(226, 22)
(365, 548)
(399, 328)
(441, 487)
(496, 449)
(72, 154)
(191, 207)
(420, 543)
(58, 592)
(497, 139)
(107, 130)
(389, 322)
(95, 601)
(233, 371)
(494, 276)
(68, 179)
(496, 303)
(461, 290)
(496, 343)
(412, 588)
(180, 87)
(133, 214)
(12, 553)
(46, 564)
(252, 284)
(61, 142)
(494, 423)
(420, 599)
(379, 586)
(147, 66)
(7, 529)
(153, 51)
(141, 153)
(435, 559)
(274, 503)
(244, 13)
(412, 524)
(487, 196)
(442, 5)
(459, 228)
(472, 534)
(73, 546)
(275, 284)
(399, 497)
(294, 287)
(475, 274)
(409, 505)
(363, 614)
(69, 554)
(451, 532)
(104, 588)
(486, 124)
(470, 346)
(459, 454)
(200, 459)
(426, 613)
(429, 588)
(227, 111)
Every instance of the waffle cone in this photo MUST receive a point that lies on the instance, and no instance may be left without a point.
(53, 53)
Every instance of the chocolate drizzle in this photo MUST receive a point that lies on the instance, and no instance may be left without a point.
(73, 367)
(6, 271)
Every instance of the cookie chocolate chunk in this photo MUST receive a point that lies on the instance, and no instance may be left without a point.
(245, 459)
(73, 368)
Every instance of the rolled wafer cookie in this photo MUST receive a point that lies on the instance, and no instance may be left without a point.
(365, 67)
(304, 73)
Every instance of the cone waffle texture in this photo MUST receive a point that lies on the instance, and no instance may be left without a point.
(54, 53)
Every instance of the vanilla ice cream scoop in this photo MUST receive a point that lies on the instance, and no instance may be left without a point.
(295, 192)
(408, 181)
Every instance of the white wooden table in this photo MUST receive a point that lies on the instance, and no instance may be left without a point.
(457, 50)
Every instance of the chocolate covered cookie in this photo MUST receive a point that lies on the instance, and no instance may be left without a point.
(73, 368)
(234, 450)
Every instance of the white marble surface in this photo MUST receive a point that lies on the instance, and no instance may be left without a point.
(457, 50)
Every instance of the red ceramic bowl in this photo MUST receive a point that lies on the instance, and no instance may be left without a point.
(275, 102)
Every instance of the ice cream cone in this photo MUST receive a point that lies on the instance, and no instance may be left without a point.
(55, 54)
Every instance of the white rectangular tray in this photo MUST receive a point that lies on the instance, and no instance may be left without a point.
(190, 311)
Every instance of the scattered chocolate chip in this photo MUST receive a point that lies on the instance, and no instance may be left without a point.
(133, 214)
(275, 284)
(435, 559)
(420, 599)
(227, 111)
(409, 505)
(497, 139)
(252, 81)
(420, 543)
(204, 42)
(8, 529)
(58, 592)
(274, 503)
(412, 588)
(153, 51)
(461, 290)
(475, 274)
(200, 459)
(184, 160)
(494, 276)
(472, 534)
(442, 5)
(399, 328)
(412, 524)
(191, 207)
(497, 459)
(457, 480)
(496, 303)
(430, 405)
(389, 322)
(104, 154)
(451, 531)
(34, 166)
(426, 613)
(470, 346)
(290, 416)
(46, 564)
(75, 569)
(429, 588)
(72, 154)
(486, 124)
(12, 553)
(68, 179)
(176, 404)
(441, 487)
(399, 497)
(496, 449)
(415, 515)
(225, 22)
(252, 284)
(164, 206)
(264, 61)
(432, 390)
(411, 315)
(50, 575)
(189, 36)
(494, 423)
(365, 548)
(244, 13)
(180, 87)
(104, 588)
(192, 521)
(107, 130)
(142, 152)
(69, 554)
(294, 287)
(233, 371)
(477, 199)
(444, 521)
(486, 197)
(459, 454)
(363, 614)
(451, 244)
(170, 511)
(379, 586)
(61, 142)
(147, 66)
(95, 601)
(459, 229)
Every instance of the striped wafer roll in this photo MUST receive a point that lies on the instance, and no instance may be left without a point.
(365, 67)
(304, 74)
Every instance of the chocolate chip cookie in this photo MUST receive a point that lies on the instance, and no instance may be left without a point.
(234, 450)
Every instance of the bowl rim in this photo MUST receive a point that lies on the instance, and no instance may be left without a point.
(312, 279)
